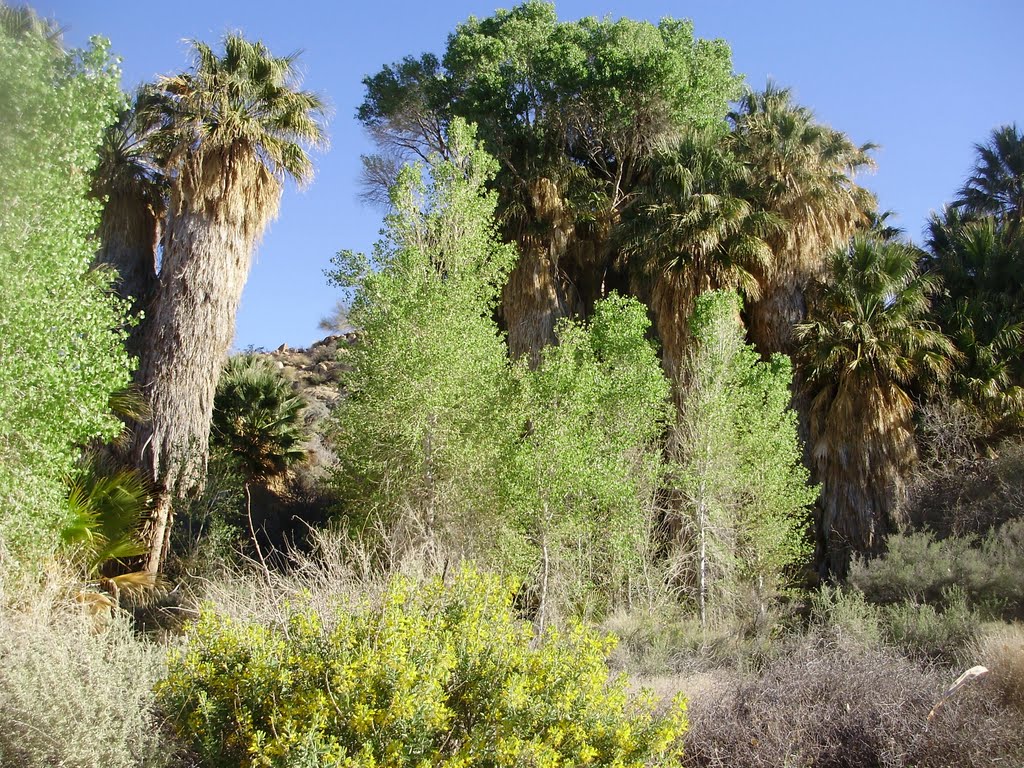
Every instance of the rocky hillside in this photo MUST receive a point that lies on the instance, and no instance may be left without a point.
(315, 373)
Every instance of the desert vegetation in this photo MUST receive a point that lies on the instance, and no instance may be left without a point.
(642, 438)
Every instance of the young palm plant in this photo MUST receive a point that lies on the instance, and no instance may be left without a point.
(865, 343)
(103, 533)
(232, 130)
(258, 418)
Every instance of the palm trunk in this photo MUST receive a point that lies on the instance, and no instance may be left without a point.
(208, 247)
(128, 234)
(532, 301)
(771, 319)
(531, 305)
(863, 451)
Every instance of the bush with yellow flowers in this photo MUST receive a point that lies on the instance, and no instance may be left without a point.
(433, 675)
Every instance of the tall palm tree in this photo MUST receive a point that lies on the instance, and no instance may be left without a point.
(130, 181)
(690, 231)
(801, 171)
(232, 130)
(22, 21)
(865, 342)
(996, 185)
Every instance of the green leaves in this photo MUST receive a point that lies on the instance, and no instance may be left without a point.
(744, 492)
(258, 418)
(581, 480)
(419, 436)
(61, 331)
(445, 447)
(434, 674)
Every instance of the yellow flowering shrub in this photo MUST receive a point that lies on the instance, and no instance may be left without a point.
(435, 675)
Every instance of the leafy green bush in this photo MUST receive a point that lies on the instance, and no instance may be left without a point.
(921, 568)
(921, 631)
(744, 514)
(435, 674)
(61, 336)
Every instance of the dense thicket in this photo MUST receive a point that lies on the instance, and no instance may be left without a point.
(449, 450)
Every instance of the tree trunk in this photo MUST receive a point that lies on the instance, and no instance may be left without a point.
(863, 450)
(533, 301)
(771, 319)
(128, 234)
(208, 246)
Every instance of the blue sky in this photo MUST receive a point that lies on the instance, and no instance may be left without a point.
(925, 79)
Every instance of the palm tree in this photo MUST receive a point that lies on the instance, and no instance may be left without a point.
(996, 185)
(865, 343)
(258, 417)
(22, 21)
(132, 185)
(801, 171)
(232, 130)
(690, 231)
(982, 310)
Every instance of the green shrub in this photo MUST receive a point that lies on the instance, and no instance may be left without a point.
(921, 631)
(74, 697)
(433, 675)
(846, 617)
(921, 568)
(258, 418)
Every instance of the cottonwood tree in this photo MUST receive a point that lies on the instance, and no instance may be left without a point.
(743, 495)
(448, 450)
(570, 110)
(61, 330)
(580, 485)
(420, 433)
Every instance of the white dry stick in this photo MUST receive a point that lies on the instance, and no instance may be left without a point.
(971, 674)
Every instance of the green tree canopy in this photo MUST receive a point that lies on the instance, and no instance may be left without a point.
(449, 449)
(61, 331)
(570, 110)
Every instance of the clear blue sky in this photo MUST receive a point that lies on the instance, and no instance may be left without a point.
(925, 79)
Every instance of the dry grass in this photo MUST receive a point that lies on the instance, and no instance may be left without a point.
(828, 706)
(1002, 651)
(333, 572)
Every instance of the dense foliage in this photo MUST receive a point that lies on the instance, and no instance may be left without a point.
(571, 111)
(61, 332)
(434, 674)
(257, 418)
(744, 502)
(421, 432)
(448, 450)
